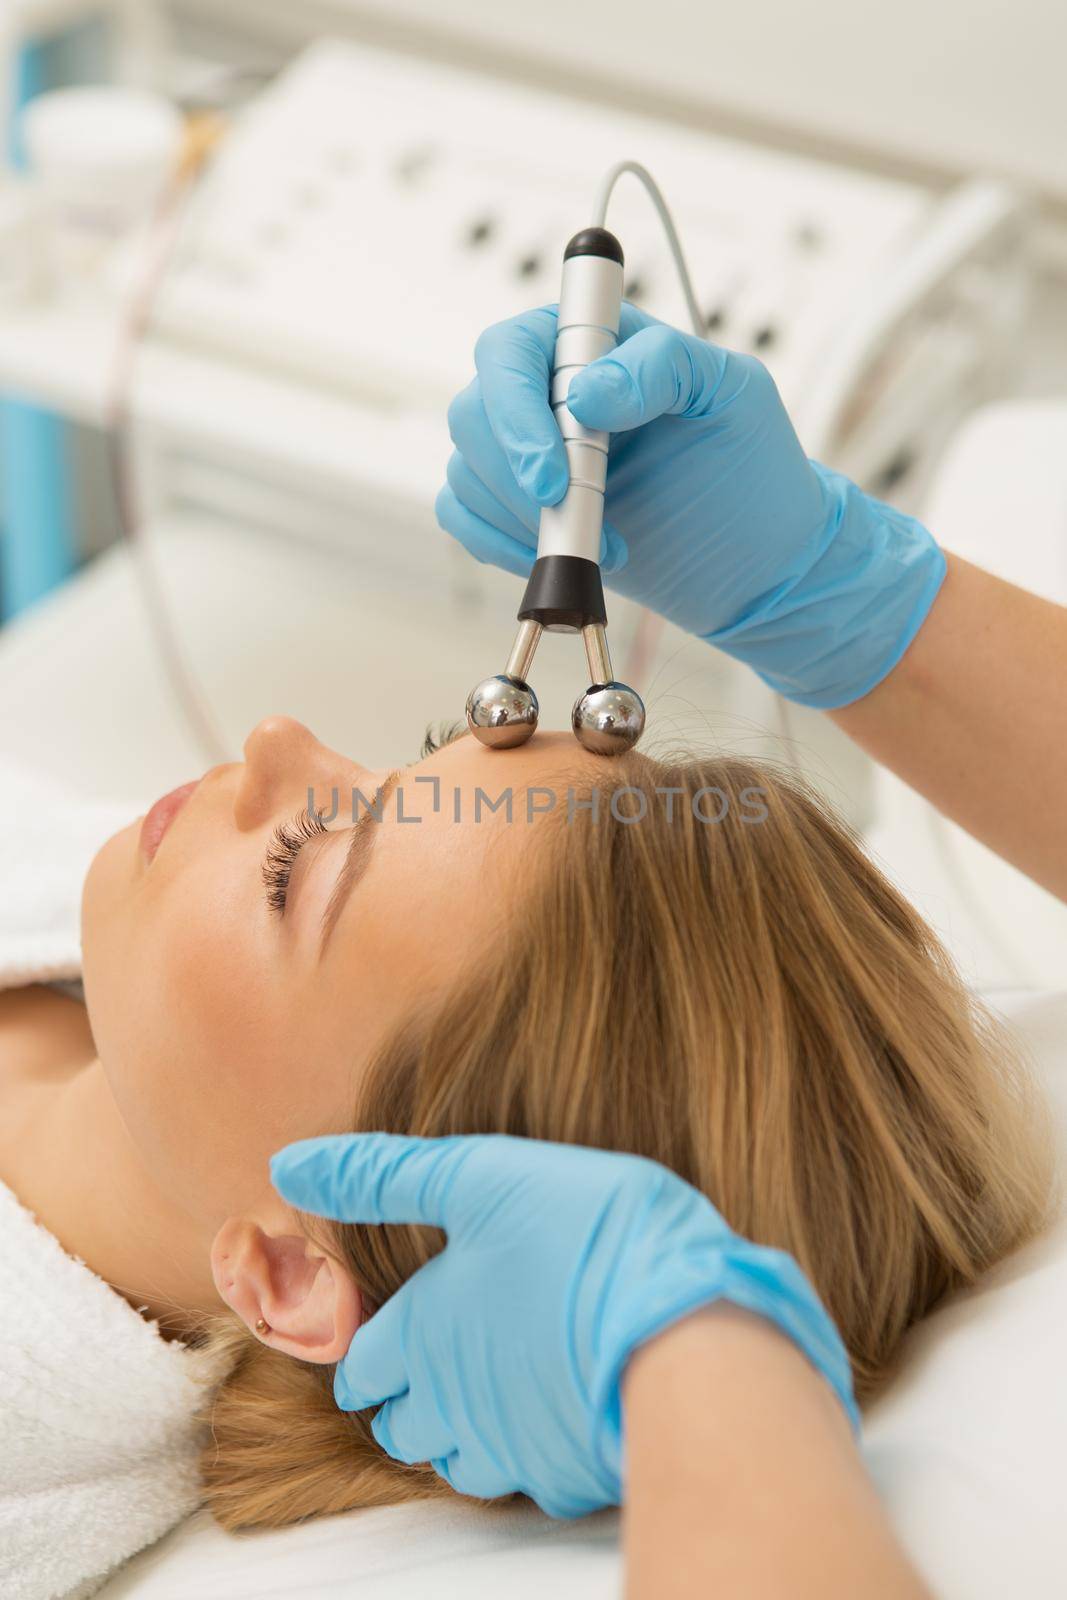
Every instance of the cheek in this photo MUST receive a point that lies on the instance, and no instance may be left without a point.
(216, 1051)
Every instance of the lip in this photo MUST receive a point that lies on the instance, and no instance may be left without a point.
(159, 819)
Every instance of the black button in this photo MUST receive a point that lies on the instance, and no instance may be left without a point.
(715, 319)
(480, 231)
(529, 266)
(764, 337)
(634, 289)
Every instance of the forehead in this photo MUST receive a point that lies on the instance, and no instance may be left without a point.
(445, 870)
(465, 806)
(546, 759)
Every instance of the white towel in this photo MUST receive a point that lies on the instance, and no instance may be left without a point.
(98, 1444)
(49, 838)
(98, 1447)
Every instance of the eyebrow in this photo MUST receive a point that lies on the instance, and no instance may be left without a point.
(357, 858)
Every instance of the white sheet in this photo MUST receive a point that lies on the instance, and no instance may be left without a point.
(436, 1551)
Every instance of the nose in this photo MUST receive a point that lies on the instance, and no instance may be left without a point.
(283, 761)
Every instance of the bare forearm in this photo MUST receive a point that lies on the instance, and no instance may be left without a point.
(975, 718)
(742, 1477)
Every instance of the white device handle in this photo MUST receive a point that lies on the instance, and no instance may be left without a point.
(590, 301)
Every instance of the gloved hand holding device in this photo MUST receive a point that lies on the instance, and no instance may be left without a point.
(714, 515)
(500, 1361)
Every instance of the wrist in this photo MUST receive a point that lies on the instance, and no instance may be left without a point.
(712, 1338)
(741, 1477)
(728, 1279)
(830, 634)
(715, 1387)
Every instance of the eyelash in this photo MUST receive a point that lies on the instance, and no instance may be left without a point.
(286, 843)
(443, 734)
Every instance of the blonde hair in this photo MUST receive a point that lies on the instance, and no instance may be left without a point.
(747, 1001)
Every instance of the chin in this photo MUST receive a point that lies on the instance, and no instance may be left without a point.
(105, 893)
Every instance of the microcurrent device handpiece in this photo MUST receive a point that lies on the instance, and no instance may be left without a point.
(565, 593)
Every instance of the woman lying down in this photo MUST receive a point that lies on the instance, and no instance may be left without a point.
(688, 959)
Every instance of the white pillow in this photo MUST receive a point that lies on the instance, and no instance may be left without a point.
(966, 1449)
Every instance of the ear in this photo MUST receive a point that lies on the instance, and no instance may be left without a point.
(290, 1294)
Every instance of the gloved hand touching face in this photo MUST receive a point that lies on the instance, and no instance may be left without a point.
(714, 516)
(500, 1361)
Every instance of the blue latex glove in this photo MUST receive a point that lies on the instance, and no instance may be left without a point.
(714, 515)
(500, 1361)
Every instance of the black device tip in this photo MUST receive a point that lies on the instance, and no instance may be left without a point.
(595, 242)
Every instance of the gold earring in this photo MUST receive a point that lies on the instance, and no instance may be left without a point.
(262, 1327)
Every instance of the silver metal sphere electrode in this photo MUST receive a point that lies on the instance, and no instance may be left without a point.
(608, 719)
(502, 712)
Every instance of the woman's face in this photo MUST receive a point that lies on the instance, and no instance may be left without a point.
(234, 1014)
